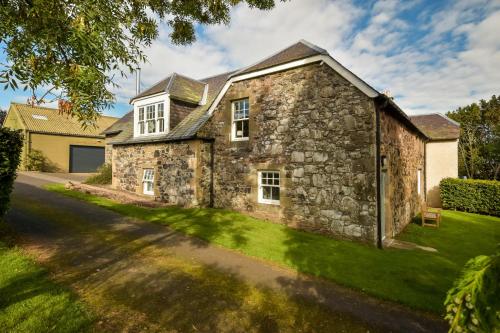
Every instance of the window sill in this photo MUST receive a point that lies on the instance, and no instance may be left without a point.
(269, 202)
(239, 139)
(149, 135)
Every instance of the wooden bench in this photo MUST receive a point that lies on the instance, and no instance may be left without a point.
(430, 214)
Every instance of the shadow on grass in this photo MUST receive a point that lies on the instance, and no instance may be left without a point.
(125, 272)
(349, 263)
(30, 302)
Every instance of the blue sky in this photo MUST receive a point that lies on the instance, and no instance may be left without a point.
(432, 56)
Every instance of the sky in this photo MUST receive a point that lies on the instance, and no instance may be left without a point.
(431, 55)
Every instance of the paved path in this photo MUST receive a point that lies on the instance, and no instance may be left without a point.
(56, 177)
(95, 222)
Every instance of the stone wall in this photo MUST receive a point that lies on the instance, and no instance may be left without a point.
(403, 150)
(176, 165)
(108, 153)
(318, 131)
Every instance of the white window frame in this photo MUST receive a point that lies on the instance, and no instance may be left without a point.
(160, 120)
(141, 122)
(150, 111)
(419, 181)
(261, 186)
(234, 121)
(154, 101)
(148, 178)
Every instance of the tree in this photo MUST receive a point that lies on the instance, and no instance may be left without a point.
(473, 304)
(73, 49)
(479, 142)
(3, 114)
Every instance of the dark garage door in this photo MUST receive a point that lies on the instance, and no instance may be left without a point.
(85, 158)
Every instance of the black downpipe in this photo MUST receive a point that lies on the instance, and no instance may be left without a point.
(212, 171)
(378, 170)
(425, 171)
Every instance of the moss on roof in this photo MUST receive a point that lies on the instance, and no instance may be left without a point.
(437, 126)
(48, 120)
(179, 87)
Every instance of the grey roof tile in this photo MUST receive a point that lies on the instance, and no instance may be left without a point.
(437, 126)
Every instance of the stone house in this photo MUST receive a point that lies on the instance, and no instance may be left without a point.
(295, 138)
(441, 152)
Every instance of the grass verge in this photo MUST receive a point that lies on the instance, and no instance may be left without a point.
(416, 278)
(30, 302)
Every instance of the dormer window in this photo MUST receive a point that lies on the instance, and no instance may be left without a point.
(151, 119)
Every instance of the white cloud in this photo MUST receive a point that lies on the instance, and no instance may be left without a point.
(439, 60)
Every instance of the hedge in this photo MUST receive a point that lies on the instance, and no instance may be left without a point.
(471, 195)
(11, 143)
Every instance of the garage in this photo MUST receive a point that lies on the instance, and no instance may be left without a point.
(85, 158)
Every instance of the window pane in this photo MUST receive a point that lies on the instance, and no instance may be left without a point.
(275, 193)
(245, 128)
(161, 125)
(151, 126)
(141, 113)
(150, 112)
(239, 129)
(266, 192)
(160, 110)
(141, 127)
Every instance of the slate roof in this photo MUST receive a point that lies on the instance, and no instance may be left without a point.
(191, 90)
(48, 120)
(122, 129)
(179, 87)
(437, 126)
(188, 127)
(300, 50)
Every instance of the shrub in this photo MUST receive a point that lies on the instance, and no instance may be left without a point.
(473, 304)
(103, 176)
(11, 144)
(471, 195)
(36, 161)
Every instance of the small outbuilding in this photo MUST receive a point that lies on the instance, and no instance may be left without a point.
(58, 139)
(441, 151)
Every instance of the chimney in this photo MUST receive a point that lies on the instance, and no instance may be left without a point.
(138, 81)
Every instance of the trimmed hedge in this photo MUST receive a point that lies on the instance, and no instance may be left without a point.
(471, 195)
(11, 144)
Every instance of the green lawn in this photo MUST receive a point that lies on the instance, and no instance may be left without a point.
(412, 277)
(30, 302)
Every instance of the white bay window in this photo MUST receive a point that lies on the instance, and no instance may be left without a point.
(151, 119)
